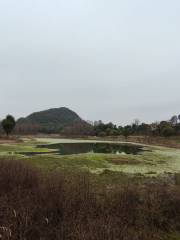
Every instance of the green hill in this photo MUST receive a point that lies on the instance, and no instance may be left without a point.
(55, 120)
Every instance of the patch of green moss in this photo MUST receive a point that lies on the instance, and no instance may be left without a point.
(172, 236)
(156, 161)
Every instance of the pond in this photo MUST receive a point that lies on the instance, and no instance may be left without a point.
(78, 148)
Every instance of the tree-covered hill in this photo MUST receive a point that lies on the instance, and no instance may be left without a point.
(55, 120)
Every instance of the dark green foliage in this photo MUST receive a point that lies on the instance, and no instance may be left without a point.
(126, 131)
(53, 120)
(66, 122)
(164, 128)
(177, 129)
(108, 129)
(144, 129)
(56, 116)
(8, 124)
(168, 131)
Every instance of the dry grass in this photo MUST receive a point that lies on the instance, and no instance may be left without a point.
(57, 207)
(123, 160)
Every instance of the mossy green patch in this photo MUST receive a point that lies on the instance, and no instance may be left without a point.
(152, 162)
(172, 236)
(19, 148)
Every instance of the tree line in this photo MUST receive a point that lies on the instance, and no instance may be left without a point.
(100, 129)
(163, 128)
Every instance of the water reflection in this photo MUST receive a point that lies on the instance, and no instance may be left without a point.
(77, 148)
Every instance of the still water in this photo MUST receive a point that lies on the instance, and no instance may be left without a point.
(77, 148)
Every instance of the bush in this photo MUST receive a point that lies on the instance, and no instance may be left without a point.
(168, 131)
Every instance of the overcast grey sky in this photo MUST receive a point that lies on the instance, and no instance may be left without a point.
(111, 60)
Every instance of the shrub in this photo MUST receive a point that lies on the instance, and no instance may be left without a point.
(168, 131)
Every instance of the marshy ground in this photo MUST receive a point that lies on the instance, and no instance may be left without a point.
(152, 161)
(130, 196)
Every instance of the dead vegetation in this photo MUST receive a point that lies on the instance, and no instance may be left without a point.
(123, 160)
(34, 206)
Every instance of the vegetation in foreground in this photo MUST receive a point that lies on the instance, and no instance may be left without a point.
(56, 206)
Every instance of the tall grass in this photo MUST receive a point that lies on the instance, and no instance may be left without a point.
(38, 207)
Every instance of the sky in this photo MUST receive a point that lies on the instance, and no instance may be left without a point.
(112, 60)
